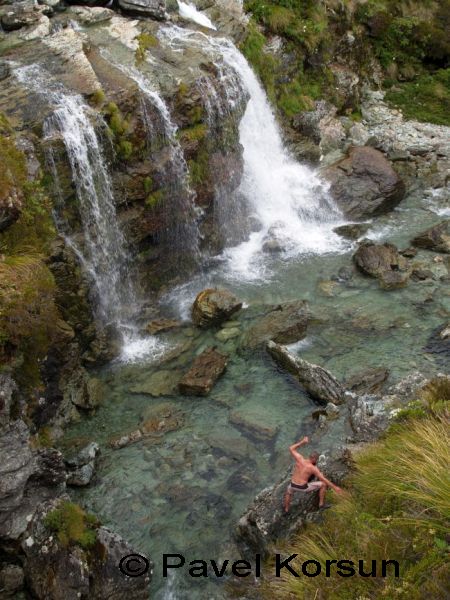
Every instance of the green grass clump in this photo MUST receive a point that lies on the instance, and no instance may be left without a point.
(195, 133)
(264, 63)
(145, 42)
(154, 199)
(72, 525)
(426, 99)
(98, 97)
(396, 508)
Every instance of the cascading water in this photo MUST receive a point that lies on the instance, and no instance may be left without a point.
(288, 200)
(189, 11)
(183, 235)
(102, 251)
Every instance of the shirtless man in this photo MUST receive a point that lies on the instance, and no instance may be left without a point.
(304, 470)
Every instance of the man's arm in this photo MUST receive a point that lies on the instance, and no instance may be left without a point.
(329, 483)
(293, 448)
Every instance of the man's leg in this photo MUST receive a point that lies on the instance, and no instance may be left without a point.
(287, 499)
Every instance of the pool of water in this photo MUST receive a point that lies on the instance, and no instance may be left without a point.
(183, 492)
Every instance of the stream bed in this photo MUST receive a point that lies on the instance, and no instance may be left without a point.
(183, 491)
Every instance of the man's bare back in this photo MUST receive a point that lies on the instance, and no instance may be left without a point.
(304, 470)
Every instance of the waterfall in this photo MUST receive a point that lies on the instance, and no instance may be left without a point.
(102, 248)
(287, 199)
(103, 254)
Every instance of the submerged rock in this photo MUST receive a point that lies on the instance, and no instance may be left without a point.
(284, 324)
(161, 383)
(160, 325)
(369, 381)
(212, 307)
(254, 424)
(364, 184)
(319, 383)
(436, 238)
(353, 231)
(204, 373)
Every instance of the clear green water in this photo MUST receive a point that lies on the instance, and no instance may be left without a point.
(184, 492)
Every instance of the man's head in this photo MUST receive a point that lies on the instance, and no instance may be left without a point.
(314, 457)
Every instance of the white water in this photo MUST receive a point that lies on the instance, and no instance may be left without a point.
(288, 199)
(189, 12)
(102, 251)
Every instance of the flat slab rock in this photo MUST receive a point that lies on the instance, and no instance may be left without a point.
(254, 424)
(284, 324)
(318, 382)
(205, 371)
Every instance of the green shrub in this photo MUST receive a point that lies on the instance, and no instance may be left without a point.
(98, 97)
(72, 525)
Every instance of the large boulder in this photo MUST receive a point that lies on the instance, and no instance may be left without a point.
(265, 522)
(285, 324)
(318, 382)
(155, 9)
(436, 238)
(384, 262)
(364, 184)
(212, 307)
(57, 571)
(205, 371)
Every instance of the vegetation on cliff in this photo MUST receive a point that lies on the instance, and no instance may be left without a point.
(27, 308)
(72, 525)
(409, 40)
(397, 509)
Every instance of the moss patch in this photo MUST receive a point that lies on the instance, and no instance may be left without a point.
(426, 99)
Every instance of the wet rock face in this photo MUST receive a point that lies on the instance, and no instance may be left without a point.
(81, 466)
(212, 307)
(284, 324)
(318, 382)
(264, 522)
(56, 572)
(384, 262)
(154, 9)
(364, 184)
(27, 478)
(204, 373)
(11, 580)
(369, 381)
(437, 238)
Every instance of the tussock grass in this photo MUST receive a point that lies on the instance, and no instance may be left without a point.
(72, 525)
(397, 508)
